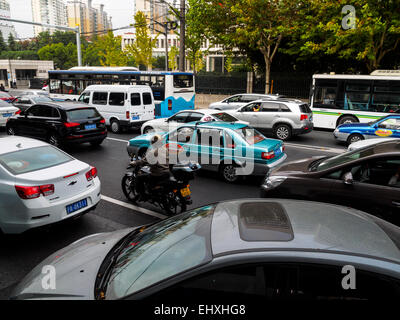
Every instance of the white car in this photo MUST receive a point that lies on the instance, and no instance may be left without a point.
(240, 100)
(368, 142)
(186, 116)
(41, 185)
(7, 110)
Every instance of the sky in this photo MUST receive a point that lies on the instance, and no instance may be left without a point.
(120, 10)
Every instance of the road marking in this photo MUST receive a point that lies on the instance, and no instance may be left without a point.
(303, 146)
(120, 140)
(133, 207)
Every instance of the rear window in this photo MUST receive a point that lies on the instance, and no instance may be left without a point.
(250, 135)
(304, 108)
(147, 98)
(222, 116)
(135, 99)
(33, 159)
(82, 114)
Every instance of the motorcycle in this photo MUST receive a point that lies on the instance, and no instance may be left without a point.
(172, 195)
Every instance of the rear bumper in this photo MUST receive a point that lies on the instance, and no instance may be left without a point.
(132, 124)
(303, 130)
(72, 139)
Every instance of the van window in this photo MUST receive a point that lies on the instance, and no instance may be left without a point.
(147, 98)
(135, 99)
(117, 99)
(85, 97)
(100, 98)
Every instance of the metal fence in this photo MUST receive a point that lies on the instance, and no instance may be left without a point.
(296, 85)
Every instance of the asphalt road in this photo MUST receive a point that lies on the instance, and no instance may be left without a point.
(20, 253)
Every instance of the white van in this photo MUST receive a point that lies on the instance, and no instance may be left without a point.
(123, 106)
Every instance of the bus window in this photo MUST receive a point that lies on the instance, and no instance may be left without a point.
(386, 97)
(357, 96)
(325, 96)
(183, 81)
(55, 86)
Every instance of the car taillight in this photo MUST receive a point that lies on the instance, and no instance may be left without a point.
(91, 174)
(127, 115)
(303, 117)
(28, 193)
(18, 112)
(283, 147)
(268, 155)
(71, 124)
(102, 121)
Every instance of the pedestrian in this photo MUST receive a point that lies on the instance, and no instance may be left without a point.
(2, 88)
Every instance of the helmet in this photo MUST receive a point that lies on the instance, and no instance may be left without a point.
(156, 138)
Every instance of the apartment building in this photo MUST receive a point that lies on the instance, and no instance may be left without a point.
(49, 12)
(155, 10)
(6, 27)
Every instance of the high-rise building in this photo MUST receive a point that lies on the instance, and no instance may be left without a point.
(154, 10)
(49, 12)
(90, 18)
(6, 27)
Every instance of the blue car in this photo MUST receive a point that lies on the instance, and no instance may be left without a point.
(231, 149)
(385, 127)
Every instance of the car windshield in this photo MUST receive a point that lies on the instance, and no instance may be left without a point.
(331, 162)
(250, 135)
(4, 104)
(163, 250)
(39, 99)
(222, 116)
(82, 114)
(33, 159)
(374, 122)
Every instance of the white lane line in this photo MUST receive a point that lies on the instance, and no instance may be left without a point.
(302, 146)
(133, 207)
(120, 140)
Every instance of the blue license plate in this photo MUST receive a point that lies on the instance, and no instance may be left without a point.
(278, 152)
(135, 117)
(90, 126)
(77, 206)
(7, 115)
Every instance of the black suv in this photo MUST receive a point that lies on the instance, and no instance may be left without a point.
(60, 123)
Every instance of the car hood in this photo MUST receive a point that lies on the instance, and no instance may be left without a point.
(76, 268)
(353, 125)
(145, 138)
(293, 167)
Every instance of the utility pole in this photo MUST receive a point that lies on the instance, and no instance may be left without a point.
(182, 38)
(76, 30)
(166, 45)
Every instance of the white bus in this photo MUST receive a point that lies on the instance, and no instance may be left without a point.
(172, 91)
(338, 99)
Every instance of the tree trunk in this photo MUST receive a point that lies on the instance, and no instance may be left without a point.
(267, 74)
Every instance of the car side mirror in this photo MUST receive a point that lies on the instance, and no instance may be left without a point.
(348, 178)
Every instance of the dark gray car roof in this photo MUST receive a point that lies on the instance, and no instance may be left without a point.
(67, 105)
(314, 226)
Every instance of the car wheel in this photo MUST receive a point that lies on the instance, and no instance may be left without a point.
(115, 126)
(54, 139)
(283, 132)
(347, 119)
(355, 137)
(228, 173)
(147, 130)
(11, 131)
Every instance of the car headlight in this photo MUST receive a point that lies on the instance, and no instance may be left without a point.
(273, 182)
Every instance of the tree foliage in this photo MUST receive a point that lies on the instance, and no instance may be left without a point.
(64, 57)
(109, 51)
(173, 58)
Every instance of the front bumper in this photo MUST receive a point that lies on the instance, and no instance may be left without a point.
(340, 136)
(32, 214)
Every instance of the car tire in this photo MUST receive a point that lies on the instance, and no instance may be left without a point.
(355, 137)
(347, 119)
(282, 132)
(54, 139)
(228, 173)
(148, 129)
(115, 126)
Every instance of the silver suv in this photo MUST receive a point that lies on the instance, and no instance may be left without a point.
(283, 118)
(240, 100)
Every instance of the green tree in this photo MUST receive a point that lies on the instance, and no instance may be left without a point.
(110, 52)
(12, 44)
(3, 46)
(142, 48)
(172, 58)
(376, 30)
(64, 57)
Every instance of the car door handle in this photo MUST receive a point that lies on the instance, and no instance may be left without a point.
(396, 203)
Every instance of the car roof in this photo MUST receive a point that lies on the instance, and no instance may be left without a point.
(17, 143)
(204, 111)
(66, 105)
(250, 225)
(218, 124)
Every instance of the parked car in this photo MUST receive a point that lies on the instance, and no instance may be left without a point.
(365, 179)
(186, 116)
(366, 143)
(6, 96)
(241, 250)
(384, 127)
(283, 118)
(239, 100)
(41, 93)
(122, 106)
(60, 123)
(6, 111)
(41, 185)
(26, 101)
(219, 146)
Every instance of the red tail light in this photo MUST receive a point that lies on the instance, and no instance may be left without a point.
(169, 104)
(71, 124)
(18, 112)
(283, 147)
(127, 115)
(268, 155)
(28, 193)
(91, 174)
(303, 117)
(102, 121)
